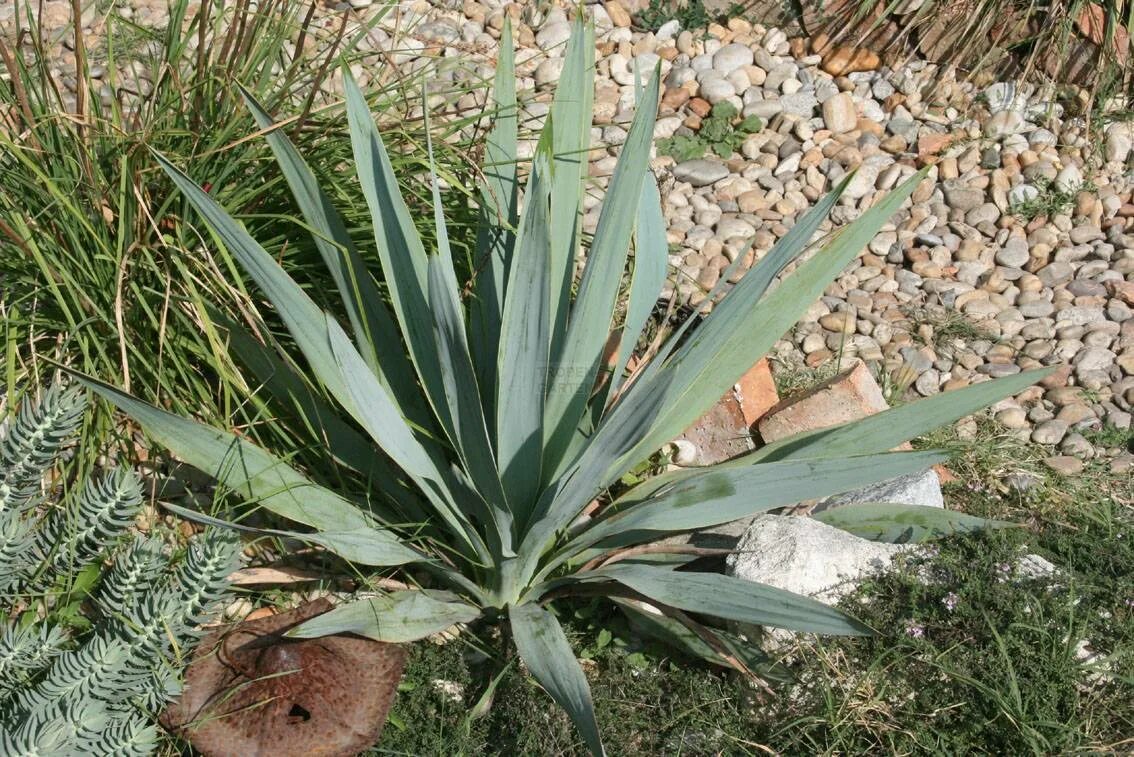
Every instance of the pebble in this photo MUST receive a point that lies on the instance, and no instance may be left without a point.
(839, 114)
(699, 172)
(731, 57)
(1029, 291)
(1064, 465)
(1049, 432)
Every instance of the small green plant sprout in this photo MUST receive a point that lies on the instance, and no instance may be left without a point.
(484, 422)
(87, 655)
(1051, 199)
(690, 14)
(723, 132)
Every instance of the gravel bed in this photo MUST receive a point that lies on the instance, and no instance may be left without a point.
(1016, 252)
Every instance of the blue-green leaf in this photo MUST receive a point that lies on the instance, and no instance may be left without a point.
(736, 334)
(404, 261)
(569, 124)
(719, 495)
(301, 316)
(369, 545)
(903, 524)
(545, 650)
(240, 465)
(734, 599)
(374, 329)
(888, 429)
(397, 617)
(525, 346)
(592, 312)
(496, 224)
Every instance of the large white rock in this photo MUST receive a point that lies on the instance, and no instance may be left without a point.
(807, 557)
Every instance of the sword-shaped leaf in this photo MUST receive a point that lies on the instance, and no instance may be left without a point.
(732, 339)
(240, 465)
(302, 317)
(374, 330)
(525, 345)
(722, 495)
(369, 545)
(591, 314)
(890, 428)
(497, 223)
(397, 617)
(734, 599)
(903, 524)
(366, 400)
(570, 128)
(544, 649)
(342, 442)
(404, 262)
(651, 258)
(470, 434)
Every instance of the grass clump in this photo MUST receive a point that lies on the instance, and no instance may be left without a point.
(102, 269)
(1051, 200)
(723, 131)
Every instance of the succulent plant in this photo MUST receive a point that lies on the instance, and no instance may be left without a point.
(488, 422)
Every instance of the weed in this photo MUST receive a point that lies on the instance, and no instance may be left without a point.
(939, 327)
(722, 131)
(896, 383)
(690, 14)
(986, 456)
(1111, 436)
(792, 378)
(1051, 199)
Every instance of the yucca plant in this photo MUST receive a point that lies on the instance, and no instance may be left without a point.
(489, 423)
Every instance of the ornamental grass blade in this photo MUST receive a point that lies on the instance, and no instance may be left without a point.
(397, 617)
(240, 465)
(303, 318)
(570, 128)
(732, 339)
(404, 261)
(593, 310)
(373, 326)
(720, 495)
(545, 650)
(497, 223)
(892, 427)
(525, 338)
(734, 599)
(903, 524)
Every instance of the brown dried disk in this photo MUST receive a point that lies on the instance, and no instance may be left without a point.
(251, 691)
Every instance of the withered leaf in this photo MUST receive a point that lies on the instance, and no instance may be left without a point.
(250, 691)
